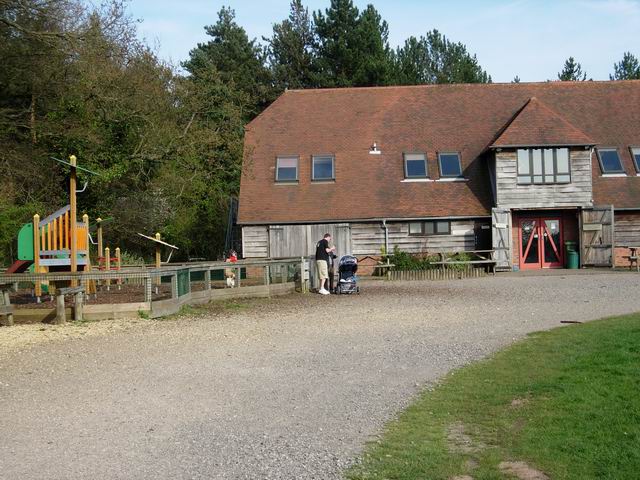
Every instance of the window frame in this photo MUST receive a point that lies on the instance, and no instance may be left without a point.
(423, 229)
(633, 157)
(297, 157)
(426, 165)
(610, 172)
(333, 167)
(543, 173)
(459, 155)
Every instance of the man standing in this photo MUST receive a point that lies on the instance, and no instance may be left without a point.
(322, 261)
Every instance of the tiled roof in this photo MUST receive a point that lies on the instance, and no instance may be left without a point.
(431, 118)
(538, 125)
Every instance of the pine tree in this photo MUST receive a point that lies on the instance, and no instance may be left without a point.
(572, 71)
(238, 60)
(516, 79)
(435, 59)
(373, 55)
(627, 69)
(337, 40)
(291, 52)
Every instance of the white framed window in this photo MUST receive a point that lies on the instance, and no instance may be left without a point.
(543, 166)
(609, 159)
(415, 165)
(322, 167)
(287, 169)
(450, 164)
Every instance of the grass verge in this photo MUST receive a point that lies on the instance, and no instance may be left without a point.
(566, 402)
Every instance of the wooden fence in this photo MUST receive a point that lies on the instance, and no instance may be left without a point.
(278, 276)
(437, 274)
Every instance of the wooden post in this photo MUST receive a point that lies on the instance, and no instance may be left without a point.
(7, 303)
(158, 257)
(174, 285)
(207, 279)
(100, 244)
(36, 255)
(107, 268)
(147, 289)
(238, 276)
(267, 280)
(119, 266)
(60, 313)
(87, 268)
(73, 219)
(77, 311)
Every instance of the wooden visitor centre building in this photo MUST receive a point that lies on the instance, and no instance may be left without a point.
(520, 168)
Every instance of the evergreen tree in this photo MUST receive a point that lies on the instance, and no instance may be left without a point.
(238, 60)
(627, 69)
(516, 79)
(291, 50)
(373, 55)
(337, 40)
(572, 71)
(435, 59)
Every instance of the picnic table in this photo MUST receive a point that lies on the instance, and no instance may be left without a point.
(483, 257)
(632, 257)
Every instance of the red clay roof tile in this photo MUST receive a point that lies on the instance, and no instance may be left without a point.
(430, 119)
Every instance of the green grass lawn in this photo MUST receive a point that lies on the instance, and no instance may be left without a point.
(566, 402)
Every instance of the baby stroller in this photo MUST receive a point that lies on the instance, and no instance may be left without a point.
(347, 280)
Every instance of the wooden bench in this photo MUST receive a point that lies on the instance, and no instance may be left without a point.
(79, 299)
(6, 310)
(382, 267)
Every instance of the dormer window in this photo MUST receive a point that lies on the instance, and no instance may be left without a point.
(287, 169)
(322, 168)
(415, 165)
(610, 161)
(635, 154)
(543, 166)
(450, 165)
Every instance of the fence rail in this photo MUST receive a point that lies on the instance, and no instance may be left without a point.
(437, 274)
(279, 275)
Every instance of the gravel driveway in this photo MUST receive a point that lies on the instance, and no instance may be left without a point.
(285, 389)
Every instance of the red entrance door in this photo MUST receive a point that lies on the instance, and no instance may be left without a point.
(540, 243)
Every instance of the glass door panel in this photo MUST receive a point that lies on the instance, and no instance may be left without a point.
(529, 243)
(552, 242)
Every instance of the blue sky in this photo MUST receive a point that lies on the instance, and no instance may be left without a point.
(528, 38)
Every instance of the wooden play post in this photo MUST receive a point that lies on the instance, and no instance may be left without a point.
(118, 266)
(73, 219)
(158, 257)
(107, 265)
(100, 245)
(36, 255)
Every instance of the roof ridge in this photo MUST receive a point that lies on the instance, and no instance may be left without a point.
(550, 83)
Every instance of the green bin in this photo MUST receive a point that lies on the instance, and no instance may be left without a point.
(572, 257)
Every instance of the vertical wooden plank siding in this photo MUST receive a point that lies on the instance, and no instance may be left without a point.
(501, 236)
(597, 236)
(577, 193)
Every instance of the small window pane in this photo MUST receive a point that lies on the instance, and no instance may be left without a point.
(563, 160)
(524, 180)
(548, 163)
(563, 178)
(415, 228)
(537, 179)
(537, 162)
(610, 161)
(322, 168)
(415, 165)
(286, 169)
(523, 162)
(429, 228)
(450, 165)
(442, 227)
